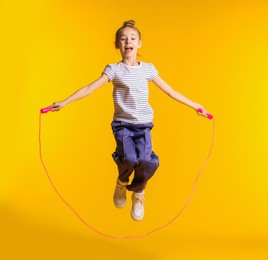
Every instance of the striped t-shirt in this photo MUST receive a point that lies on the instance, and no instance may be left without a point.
(131, 92)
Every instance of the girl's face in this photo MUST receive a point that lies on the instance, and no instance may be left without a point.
(129, 42)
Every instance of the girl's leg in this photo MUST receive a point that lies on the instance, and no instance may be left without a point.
(125, 154)
(148, 161)
(125, 158)
(143, 173)
(147, 164)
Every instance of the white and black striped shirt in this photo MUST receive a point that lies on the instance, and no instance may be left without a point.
(131, 92)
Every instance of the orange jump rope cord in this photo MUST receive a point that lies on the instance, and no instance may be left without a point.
(132, 236)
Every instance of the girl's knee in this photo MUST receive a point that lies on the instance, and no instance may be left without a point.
(151, 162)
(130, 159)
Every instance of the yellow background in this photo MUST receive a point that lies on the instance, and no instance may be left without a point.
(214, 52)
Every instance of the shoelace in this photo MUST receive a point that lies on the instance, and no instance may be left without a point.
(120, 189)
(120, 192)
(138, 199)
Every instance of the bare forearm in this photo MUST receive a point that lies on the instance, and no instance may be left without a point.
(174, 94)
(81, 93)
(182, 99)
(179, 97)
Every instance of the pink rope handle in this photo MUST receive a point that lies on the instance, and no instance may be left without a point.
(131, 236)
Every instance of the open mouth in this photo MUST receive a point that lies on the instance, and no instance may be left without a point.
(128, 50)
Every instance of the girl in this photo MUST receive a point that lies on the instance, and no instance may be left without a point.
(133, 116)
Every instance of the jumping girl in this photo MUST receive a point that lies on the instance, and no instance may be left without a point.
(133, 116)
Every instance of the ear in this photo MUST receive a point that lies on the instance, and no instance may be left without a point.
(139, 44)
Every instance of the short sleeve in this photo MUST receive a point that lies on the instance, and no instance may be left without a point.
(109, 70)
(152, 72)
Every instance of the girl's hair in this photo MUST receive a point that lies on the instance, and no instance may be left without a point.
(130, 24)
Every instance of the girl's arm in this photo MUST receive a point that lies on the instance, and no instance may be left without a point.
(158, 81)
(81, 93)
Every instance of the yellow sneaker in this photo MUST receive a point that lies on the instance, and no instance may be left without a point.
(119, 197)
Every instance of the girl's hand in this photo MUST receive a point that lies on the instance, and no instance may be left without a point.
(202, 111)
(57, 106)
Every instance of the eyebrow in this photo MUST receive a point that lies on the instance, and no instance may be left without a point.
(126, 35)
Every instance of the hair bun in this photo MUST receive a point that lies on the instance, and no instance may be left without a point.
(129, 23)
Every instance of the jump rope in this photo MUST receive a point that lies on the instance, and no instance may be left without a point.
(48, 109)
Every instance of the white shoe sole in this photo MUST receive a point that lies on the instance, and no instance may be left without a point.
(135, 217)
